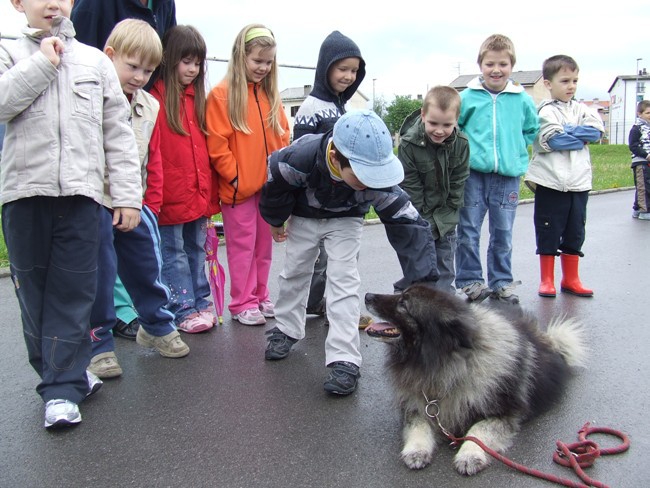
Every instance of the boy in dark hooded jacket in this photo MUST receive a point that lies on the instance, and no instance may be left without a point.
(339, 72)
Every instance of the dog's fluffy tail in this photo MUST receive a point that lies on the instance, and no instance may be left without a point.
(567, 337)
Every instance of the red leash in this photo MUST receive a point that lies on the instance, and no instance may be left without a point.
(578, 455)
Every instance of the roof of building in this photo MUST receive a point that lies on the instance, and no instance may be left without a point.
(640, 76)
(301, 92)
(525, 78)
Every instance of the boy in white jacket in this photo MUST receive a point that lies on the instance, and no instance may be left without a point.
(560, 175)
(67, 121)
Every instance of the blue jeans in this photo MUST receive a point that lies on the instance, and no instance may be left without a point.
(497, 196)
(183, 267)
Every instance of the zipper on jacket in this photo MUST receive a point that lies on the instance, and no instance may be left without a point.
(494, 132)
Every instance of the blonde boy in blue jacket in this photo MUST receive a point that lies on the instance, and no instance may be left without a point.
(500, 120)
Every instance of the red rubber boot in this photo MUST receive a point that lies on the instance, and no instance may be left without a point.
(547, 271)
(570, 279)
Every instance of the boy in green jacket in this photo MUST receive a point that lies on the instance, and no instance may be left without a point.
(435, 156)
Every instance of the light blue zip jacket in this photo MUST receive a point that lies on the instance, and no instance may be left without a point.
(499, 127)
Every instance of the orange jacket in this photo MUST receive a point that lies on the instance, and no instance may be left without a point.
(240, 156)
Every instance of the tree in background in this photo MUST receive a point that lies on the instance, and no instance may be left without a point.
(398, 110)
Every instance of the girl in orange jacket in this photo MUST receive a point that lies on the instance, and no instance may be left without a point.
(246, 123)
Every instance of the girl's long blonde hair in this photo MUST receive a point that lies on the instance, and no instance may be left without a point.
(179, 42)
(238, 84)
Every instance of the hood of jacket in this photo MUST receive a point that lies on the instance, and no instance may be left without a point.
(61, 27)
(335, 47)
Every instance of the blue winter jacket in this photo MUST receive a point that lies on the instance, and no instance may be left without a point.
(499, 127)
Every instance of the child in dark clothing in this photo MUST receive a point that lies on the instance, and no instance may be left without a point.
(639, 143)
(339, 72)
(322, 186)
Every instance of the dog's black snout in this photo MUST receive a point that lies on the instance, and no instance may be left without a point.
(370, 298)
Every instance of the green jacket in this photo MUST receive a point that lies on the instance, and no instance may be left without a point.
(434, 174)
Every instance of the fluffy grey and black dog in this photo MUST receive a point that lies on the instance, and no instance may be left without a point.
(488, 367)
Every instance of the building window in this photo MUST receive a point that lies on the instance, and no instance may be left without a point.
(294, 110)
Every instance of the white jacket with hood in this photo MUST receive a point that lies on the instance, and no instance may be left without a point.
(568, 170)
(65, 124)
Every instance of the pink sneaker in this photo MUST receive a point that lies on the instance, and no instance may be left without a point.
(252, 316)
(267, 309)
(195, 323)
(208, 315)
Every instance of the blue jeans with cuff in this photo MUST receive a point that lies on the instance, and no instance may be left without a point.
(497, 196)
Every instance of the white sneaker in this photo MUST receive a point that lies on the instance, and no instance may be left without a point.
(61, 413)
(252, 316)
(267, 309)
(94, 383)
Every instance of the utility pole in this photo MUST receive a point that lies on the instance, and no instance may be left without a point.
(636, 90)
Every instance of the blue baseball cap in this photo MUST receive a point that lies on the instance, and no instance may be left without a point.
(363, 138)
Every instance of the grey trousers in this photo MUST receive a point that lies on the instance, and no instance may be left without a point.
(342, 239)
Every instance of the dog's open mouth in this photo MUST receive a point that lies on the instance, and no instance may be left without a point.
(383, 330)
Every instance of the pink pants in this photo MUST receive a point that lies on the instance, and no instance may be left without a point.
(249, 249)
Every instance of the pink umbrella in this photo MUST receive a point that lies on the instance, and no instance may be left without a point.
(216, 273)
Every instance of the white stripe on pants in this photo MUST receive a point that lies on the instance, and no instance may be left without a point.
(342, 242)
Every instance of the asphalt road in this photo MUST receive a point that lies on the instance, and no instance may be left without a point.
(225, 417)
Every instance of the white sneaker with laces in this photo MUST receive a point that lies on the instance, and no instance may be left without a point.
(61, 413)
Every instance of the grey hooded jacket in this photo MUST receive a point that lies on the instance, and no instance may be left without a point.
(65, 124)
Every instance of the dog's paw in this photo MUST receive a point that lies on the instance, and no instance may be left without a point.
(416, 459)
(470, 459)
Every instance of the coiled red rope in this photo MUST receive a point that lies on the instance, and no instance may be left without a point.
(578, 455)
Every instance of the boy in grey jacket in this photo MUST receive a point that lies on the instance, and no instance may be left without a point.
(67, 122)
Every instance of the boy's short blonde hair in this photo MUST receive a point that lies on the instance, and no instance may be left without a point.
(443, 97)
(497, 42)
(136, 38)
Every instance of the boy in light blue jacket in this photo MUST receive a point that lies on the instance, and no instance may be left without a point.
(500, 120)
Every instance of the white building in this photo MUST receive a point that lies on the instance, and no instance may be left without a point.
(624, 94)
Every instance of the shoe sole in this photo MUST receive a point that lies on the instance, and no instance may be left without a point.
(121, 335)
(109, 373)
(62, 424)
(247, 322)
(146, 342)
(196, 330)
(274, 356)
(575, 293)
(338, 391)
